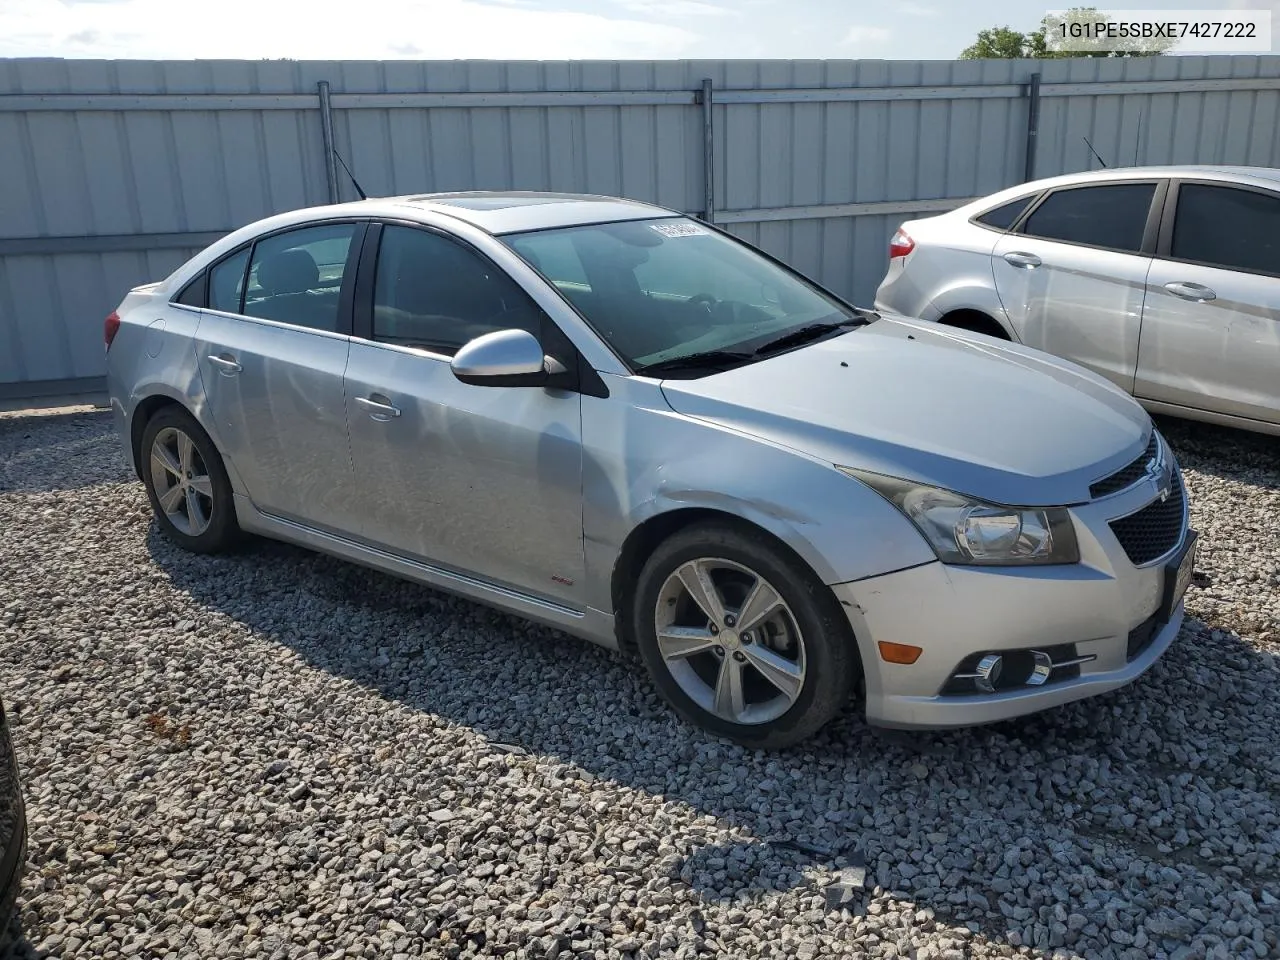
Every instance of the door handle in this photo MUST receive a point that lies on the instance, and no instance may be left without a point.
(226, 363)
(1191, 291)
(379, 407)
(1017, 259)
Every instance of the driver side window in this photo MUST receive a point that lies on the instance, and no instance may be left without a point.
(433, 293)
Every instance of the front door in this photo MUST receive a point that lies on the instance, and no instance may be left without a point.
(1211, 325)
(272, 352)
(1072, 278)
(483, 480)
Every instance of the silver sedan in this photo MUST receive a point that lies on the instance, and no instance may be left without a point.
(1164, 280)
(628, 425)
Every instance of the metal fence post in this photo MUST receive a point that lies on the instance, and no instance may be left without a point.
(1033, 126)
(708, 154)
(326, 130)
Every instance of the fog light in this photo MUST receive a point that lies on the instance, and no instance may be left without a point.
(899, 652)
(987, 674)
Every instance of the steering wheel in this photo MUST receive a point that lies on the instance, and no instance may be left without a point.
(705, 299)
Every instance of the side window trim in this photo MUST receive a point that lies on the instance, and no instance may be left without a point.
(1164, 246)
(1149, 234)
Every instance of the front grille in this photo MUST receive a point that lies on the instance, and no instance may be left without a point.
(1155, 529)
(1126, 476)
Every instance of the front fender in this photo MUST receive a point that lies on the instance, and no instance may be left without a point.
(642, 460)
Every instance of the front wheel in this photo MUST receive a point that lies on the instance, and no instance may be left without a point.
(741, 638)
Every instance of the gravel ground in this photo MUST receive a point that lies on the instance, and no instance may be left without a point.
(277, 755)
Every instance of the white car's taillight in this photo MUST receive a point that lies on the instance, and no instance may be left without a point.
(901, 244)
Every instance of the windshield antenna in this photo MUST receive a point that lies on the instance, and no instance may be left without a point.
(356, 183)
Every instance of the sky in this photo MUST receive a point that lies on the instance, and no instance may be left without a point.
(523, 29)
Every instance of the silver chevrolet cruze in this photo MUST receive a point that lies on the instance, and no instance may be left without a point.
(628, 425)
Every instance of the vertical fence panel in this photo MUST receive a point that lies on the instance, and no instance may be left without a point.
(100, 149)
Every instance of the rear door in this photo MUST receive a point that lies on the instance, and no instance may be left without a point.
(272, 349)
(1072, 275)
(1211, 325)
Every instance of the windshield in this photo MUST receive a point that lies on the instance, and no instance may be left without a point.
(662, 290)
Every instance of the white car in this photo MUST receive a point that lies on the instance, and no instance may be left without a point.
(1164, 280)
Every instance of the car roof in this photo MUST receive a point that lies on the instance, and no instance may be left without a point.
(1254, 176)
(500, 212)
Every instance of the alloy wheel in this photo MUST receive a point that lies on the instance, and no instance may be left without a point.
(730, 641)
(181, 480)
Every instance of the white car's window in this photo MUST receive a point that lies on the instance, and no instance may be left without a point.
(296, 277)
(432, 292)
(1112, 215)
(226, 282)
(662, 290)
(1003, 216)
(1226, 227)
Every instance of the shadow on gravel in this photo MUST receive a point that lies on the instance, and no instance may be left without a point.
(1138, 788)
(65, 451)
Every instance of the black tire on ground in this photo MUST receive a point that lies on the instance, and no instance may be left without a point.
(222, 531)
(832, 662)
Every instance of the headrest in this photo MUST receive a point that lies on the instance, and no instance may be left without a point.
(291, 271)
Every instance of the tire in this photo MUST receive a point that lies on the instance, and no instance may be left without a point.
(204, 516)
(807, 644)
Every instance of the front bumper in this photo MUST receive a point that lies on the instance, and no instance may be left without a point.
(1102, 610)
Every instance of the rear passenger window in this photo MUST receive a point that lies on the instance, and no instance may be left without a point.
(1225, 227)
(433, 293)
(296, 277)
(192, 294)
(1113, 216)
(1003, 216)
(226, 282)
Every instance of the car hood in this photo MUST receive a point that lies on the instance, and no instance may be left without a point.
(915, 400)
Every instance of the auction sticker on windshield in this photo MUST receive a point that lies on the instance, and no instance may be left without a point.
(679, 229)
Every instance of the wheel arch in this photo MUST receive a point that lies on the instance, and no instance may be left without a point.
(145, 409)
(975, 321)
(646, 536)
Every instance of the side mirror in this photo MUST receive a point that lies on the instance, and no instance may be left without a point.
(504, 358)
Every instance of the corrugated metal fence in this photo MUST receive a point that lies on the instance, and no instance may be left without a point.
(114, 172)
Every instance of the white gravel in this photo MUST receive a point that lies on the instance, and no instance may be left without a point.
(276, 754)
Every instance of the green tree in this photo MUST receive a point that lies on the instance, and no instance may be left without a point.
(998, 43)
(1005, 43)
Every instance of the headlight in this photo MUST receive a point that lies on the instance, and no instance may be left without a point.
(967, 531)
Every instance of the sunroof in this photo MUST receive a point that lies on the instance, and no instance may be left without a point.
(475, 202)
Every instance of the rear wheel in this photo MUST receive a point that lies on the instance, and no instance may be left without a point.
(741, 638)
(187, 483)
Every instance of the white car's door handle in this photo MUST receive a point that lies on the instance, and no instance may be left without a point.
(226, 363)
(379, 407)
(1191, 291)
(1022, 259)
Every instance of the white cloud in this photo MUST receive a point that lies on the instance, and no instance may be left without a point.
(313, 29)
(673, 9)
(866, 37)
(913, 9)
